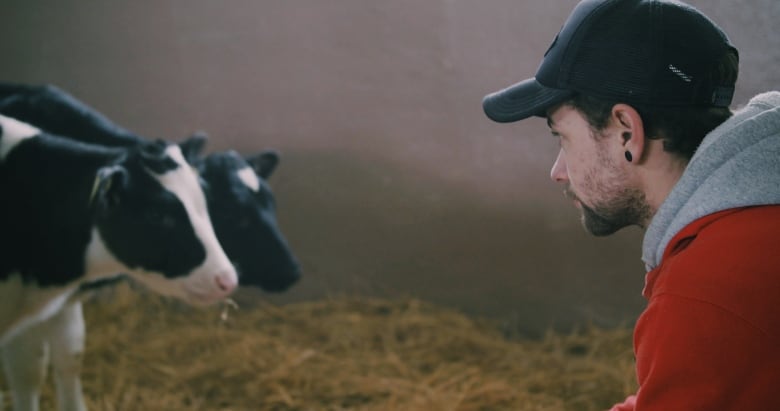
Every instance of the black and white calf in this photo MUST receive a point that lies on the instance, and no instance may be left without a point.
(240, 203)
(73, 213)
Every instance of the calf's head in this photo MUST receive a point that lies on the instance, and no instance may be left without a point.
(243, 211)
(152, 216)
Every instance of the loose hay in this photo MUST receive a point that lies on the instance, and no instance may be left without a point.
(147, 353)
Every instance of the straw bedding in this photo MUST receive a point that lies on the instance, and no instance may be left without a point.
(148, 353)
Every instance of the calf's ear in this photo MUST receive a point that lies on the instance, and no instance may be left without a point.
(264, 163)
(109, 183)
(193, 145)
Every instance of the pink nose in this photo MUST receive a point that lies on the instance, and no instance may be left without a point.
(226, 282)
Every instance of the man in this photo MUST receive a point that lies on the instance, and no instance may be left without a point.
(637, 92)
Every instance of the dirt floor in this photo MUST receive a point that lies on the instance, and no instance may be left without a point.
(145, 353)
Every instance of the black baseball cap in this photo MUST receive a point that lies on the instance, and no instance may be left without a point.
(651, 52)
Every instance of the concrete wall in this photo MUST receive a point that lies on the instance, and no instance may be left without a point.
(392, 180)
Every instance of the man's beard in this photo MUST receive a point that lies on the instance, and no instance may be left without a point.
(627, 208)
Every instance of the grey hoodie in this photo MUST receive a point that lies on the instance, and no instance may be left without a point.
(736, 165)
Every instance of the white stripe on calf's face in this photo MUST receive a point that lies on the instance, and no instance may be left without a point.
(249, 177)
(216, 278)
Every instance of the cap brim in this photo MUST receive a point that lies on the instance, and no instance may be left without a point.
(522, 100)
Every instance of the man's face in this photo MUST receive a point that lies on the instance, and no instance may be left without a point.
(595, 179)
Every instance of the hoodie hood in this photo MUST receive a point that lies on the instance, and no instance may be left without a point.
(736, 165)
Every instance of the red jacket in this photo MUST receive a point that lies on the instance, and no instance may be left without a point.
(709, 338)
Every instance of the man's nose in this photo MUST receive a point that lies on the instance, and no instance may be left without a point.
(559, 173)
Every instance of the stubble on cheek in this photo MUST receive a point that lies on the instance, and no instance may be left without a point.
(612, 204)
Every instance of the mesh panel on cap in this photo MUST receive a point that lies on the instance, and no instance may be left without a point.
(691, 46)
(648, 51)
(616, 59)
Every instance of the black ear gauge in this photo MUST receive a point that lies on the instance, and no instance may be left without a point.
(627, 136)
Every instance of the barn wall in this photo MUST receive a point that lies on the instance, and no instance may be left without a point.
(392, 181)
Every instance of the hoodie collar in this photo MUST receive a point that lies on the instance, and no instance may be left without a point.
(736, 165)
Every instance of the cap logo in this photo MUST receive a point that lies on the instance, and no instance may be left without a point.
(686, 78)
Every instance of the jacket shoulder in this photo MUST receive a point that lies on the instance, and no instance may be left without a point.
(730, 260)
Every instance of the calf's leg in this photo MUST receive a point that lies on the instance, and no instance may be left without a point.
(65, 334)
(25, 358)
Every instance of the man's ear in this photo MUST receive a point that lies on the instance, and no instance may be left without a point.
(630, 128)
(109, 183)
(264, 163)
